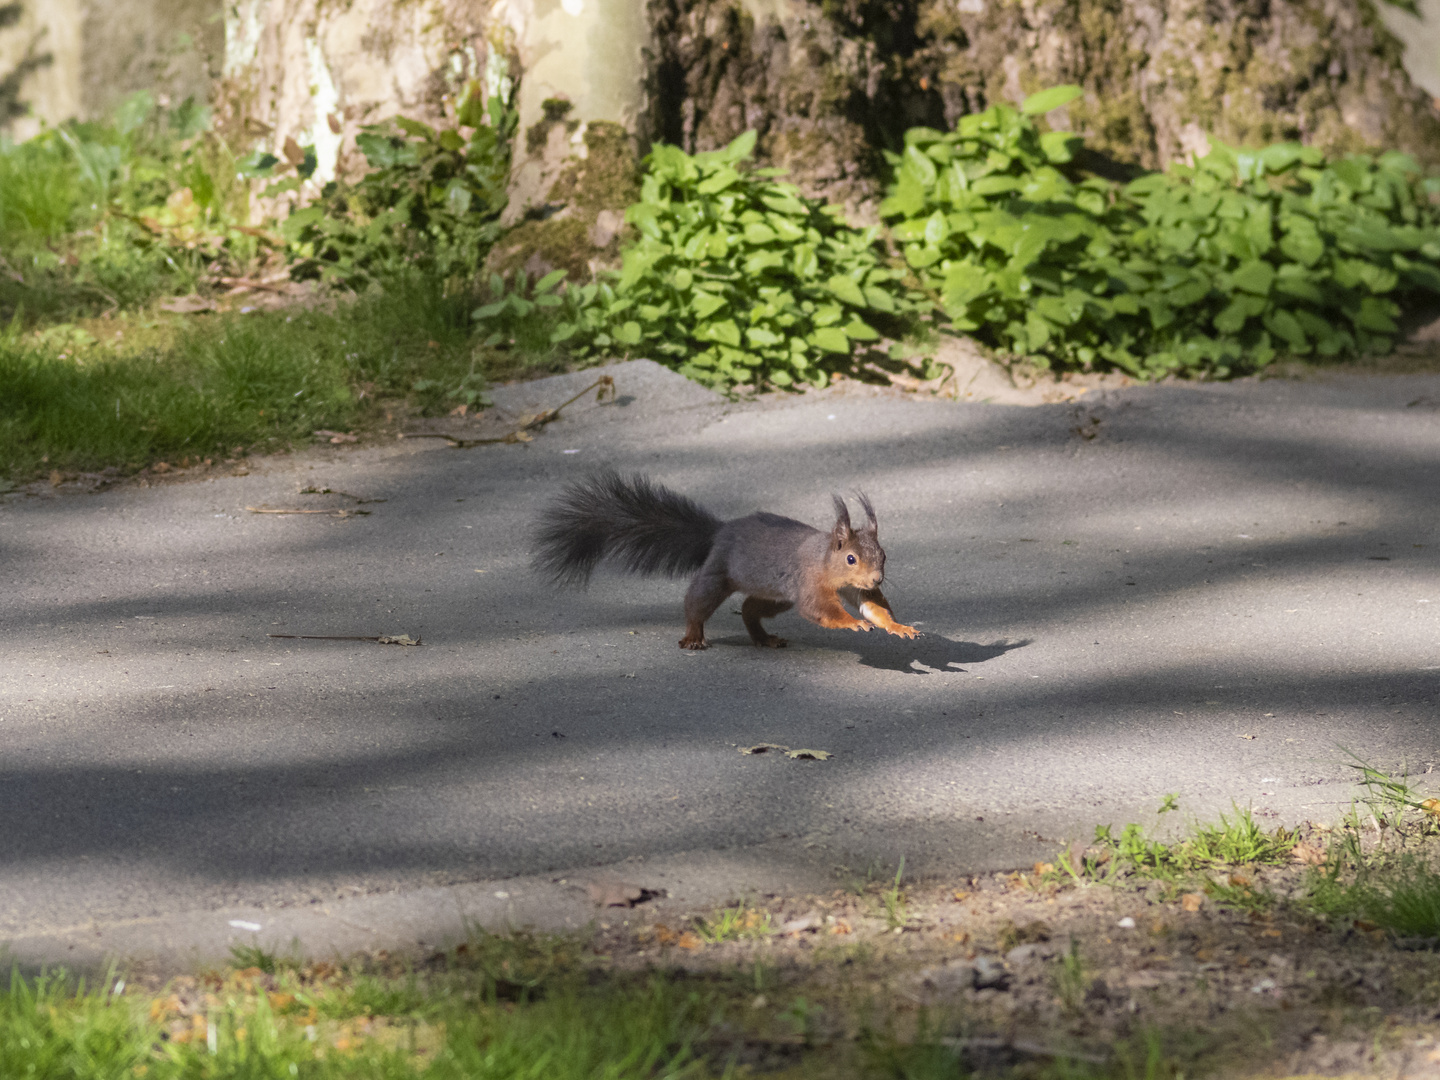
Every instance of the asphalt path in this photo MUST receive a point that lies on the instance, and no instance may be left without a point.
(1221, 591)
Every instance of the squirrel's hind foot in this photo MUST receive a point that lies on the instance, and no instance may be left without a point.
(694, 644)
(770, 641)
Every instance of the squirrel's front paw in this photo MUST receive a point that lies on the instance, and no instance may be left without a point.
(694, 644)
(901, 630)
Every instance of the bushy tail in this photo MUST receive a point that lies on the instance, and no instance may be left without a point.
(646, 528)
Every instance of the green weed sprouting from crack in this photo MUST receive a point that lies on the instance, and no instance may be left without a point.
(892, 900)
(1390, 882)
(1212, 858)
(735, 923)
(1071, 979)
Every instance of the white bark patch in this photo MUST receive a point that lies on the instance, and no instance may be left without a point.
(326, 100)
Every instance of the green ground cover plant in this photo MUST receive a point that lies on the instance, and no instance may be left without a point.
(1206, 269)
(106, 215)
(430, 203)
(734, 278)
(737, 278)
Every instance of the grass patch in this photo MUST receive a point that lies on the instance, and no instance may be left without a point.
(72, 399)
(1379, 868)
(319, 1021)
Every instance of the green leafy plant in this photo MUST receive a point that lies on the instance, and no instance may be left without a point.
(519, 316)
(108, 214)
(430, 202)
(1208, 269)
(737, 278)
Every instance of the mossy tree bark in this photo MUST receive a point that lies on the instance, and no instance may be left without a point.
(830, 83)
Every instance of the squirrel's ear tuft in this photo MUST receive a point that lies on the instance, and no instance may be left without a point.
(842, 528)
(871, 525)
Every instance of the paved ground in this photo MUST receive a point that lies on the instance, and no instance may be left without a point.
(1217, 591)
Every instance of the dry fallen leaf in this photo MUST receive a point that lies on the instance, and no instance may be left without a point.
(841, 927)
(1431, 807)
(689, 940)
(1247, 736)
(612, 893)
(187, 305)
(397, 639)
(809, 755)
(1192, 901)
(1309, 854)
(761, 748)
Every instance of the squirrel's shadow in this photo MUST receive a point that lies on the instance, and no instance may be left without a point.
(928, 654)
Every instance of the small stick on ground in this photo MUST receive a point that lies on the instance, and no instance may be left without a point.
(383, 639)
(605, 385)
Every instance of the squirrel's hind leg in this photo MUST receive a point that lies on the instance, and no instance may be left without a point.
(706, 593)
(753, 610)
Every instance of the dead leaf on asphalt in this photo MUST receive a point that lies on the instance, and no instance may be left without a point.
(809, 755)
(764, 748)
(1247, 736)
(610, 892)
(335, 436)
(187, 305)
(1309, 854)
(397, 639)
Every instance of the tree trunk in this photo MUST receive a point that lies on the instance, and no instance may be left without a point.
(830, 84)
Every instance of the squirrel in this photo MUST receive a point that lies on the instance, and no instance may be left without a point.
(778, 563)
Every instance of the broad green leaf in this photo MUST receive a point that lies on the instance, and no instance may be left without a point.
(757, 233)
(936, 230)
(1232, 319)
(1059, 146)
(1254, 277)
(1375, 315)
(550, 280)
(706, 304)
(1048, 100)
(919, 167)
(846, 289)
(741, 148)
(881, 300)
(1284, 325)
(724, 331)
(722, 179)
(831, 339)
(416, 128)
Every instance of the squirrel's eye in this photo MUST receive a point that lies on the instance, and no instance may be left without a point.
(850, 559)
